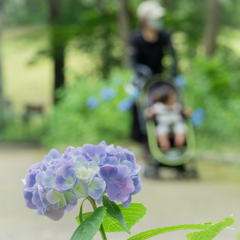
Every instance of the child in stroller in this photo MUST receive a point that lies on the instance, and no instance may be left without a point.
(168, 113)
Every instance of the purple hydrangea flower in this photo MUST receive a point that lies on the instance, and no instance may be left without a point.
(54, 186)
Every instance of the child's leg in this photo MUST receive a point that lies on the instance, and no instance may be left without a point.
(164, 142)
(162, 132)
(180, 134)
(179, 140)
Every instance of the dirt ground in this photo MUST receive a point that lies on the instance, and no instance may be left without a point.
(215, 196)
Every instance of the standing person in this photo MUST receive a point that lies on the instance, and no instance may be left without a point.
(147, 51)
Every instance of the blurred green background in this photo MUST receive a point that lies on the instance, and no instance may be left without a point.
(80, 45)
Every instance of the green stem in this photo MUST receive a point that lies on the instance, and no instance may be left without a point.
(101, 229)
(80, 212)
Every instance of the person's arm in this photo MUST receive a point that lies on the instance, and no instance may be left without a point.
(141, 70)
(148, 112)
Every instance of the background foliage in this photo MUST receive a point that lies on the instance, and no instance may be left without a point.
(90, 30)
(69, 127)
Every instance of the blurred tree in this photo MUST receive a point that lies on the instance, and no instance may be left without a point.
(212, 23)
(124, 27)
(58, 44)
(188, 17)
(24, 12)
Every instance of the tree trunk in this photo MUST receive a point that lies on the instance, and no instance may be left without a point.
(211, 26)
(58, 46)
(59, 64)
(124, 26)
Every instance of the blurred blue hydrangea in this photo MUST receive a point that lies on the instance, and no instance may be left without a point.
(118, 80)
(132, 91)
(125, 104)
(92, 102)
(108, 93)
(198, 116)
(180, 81)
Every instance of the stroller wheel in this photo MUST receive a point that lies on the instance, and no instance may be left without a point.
(151, 172)
(191, 174)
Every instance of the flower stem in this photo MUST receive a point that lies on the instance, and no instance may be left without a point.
(101, 229)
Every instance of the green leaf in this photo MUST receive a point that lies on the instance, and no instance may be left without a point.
(208, 232)
(114, 211)
(212, 231)
(238, 236)
(132, 215)
(89, 227)
(158, 231)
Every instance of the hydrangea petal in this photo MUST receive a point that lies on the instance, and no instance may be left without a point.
(96, 188)
(31, 178)
(69, 197)
(126, 188)
(122, 173)
(70, 206)
(55, 215)
(135, 170)
(54, 196)
(35, 166)
(128, 164)
(48, 182)
(112, 190)
(63, 184)
(28, 199)
(128, 202)
(80, 190)
(110, 161)
(54, 154)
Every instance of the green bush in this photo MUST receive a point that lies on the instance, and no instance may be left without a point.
(72, 123)
(214, 85)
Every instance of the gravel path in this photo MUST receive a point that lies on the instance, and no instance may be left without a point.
(214, 197)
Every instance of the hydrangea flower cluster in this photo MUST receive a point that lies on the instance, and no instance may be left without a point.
(55, 185)
(180, 81)
(92, 102)
(198, 117)
(108, 93)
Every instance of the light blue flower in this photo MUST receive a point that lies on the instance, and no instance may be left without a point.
(108, 93)
(132, 91)
(180, 81)
(125, 104)
(197, 117)
(92, 102)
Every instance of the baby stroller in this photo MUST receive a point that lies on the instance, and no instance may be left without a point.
(176, 158)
